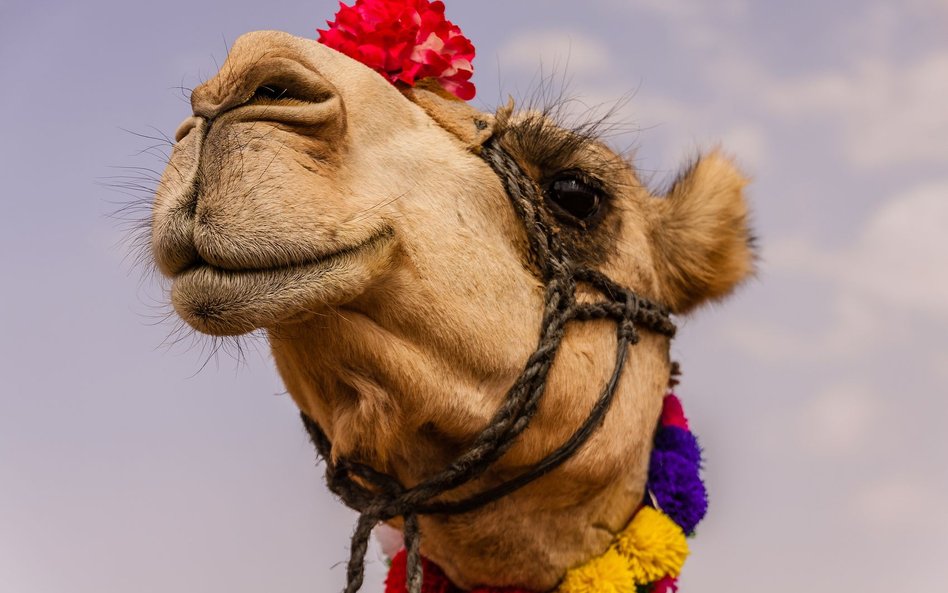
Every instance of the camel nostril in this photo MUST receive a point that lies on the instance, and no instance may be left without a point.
(287, 89)
(270, 92)
(185, 128)
(278, 84)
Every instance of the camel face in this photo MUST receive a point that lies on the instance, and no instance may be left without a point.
(357, 224)
(277, 197)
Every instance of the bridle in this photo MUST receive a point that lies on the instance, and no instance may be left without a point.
(380, 497)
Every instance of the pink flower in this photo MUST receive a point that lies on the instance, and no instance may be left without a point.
(404, 41)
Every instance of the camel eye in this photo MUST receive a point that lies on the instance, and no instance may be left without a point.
(573, 197)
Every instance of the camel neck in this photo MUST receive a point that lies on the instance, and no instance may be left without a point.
(647, 556)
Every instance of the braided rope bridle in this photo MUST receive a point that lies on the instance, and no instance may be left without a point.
(380, 497)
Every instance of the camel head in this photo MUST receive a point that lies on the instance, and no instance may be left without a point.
(358, 225)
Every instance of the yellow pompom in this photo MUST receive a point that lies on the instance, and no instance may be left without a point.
(654, 546)
(608, 573)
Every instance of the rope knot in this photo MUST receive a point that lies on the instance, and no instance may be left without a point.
(628, 332)
(630, 312)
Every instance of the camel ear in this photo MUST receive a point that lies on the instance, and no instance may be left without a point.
(702, 241)
(471, 126)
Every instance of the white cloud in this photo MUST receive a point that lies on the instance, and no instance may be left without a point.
(900, 503)
(556, 50)
(690, 8)
(854, 329)
(749, 143)
(902, 255)
(889, 112)
(938, 365)
(895, 270)
(879, 107)
(839, 420)
(693, 23)
(900, 258)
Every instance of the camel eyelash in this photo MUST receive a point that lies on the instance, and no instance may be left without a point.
(546, 146)
(549, 141)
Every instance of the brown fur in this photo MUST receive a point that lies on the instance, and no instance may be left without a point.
(357, 225)
(701, 236)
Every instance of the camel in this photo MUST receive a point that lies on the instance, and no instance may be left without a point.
(358, 224)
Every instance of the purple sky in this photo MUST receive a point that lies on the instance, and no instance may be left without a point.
(819, 391)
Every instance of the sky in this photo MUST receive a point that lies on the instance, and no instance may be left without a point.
(132, 459)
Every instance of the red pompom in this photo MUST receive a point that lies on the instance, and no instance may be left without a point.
(672, 412)
(404, 41)
(433, 580)
(665, 585)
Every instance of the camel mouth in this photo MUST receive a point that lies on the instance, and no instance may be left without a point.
(230, 302)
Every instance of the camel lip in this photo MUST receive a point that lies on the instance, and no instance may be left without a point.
(224, 302)
(372, 239)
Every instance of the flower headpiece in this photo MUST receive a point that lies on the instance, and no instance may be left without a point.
(405, 41)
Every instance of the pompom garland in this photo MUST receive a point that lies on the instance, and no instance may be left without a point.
(677, 487)
(682, 442)
(654, 546)
(648, 555)
(608, 573)
(651, 549)
(665, 585)
(405, 41)
(433, 579)
(672, 412)
(674, 471)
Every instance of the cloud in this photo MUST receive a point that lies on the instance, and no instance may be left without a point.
(877, 105)
(688, 8)
(899, 259)
(902, 256)
(938, 365)
(749, 142)
(839, 420)
(902, 503)
(692, 22)
(889, 112)
(891, 275)
(555, 49)
(854, 328)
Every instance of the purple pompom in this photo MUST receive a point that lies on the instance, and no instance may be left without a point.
(672, 438)
(675, 482)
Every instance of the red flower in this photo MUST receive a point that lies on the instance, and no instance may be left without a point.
(404, 41)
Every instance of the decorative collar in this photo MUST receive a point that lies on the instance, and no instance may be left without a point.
(648, 555)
